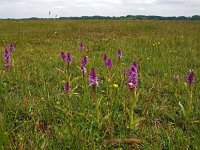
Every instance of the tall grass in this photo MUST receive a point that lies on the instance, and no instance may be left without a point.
(35, 111)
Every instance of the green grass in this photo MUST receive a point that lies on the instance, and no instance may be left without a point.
(35, 112)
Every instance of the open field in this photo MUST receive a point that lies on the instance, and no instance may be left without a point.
(37, 113)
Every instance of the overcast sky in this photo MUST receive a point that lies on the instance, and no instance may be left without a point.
(41, 8)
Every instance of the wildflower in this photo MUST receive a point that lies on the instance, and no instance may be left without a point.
(84, 60)
(81, 47)
(67, 87)
(109, 63)
(132, 82)
(190, 79)
(115, 85)
(63, 56)
(68, 58)
(119, 54)
(7, 63)
(6, 54)
(11, 47)
(93, 79)
(83, 69)
(105, 58)
(176, 78)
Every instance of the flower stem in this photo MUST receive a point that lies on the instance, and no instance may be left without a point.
(190, 101)
(96, 104)
(133, 100)
(68, 69)
(84, 81)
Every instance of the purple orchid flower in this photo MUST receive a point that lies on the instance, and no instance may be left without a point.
(190, 79)
(132, 81)
(67, 87)
(7, 63)
(93, 79)
(81, 47)
(109, 63)
(83, 70)
(119, 54)
(68, 58)
(6, 54)
(105, 58)
(84, 60)
(11, 47)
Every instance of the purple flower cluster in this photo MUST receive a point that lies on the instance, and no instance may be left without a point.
(7, 63)
(105, 58)
(11, 47)
(108, 61)
(132, 81)
(83, 65)
(62, 55)
(83, 69)
(93, 79)
(7, 54)
(81, 47)
(66, 57)
(84, 60)
(119, 54)
(190, 79)
(67, 87)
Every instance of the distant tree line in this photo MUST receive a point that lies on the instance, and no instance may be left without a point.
(132, 17)
(128, 17)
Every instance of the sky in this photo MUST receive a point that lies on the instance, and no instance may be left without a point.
(67, 8)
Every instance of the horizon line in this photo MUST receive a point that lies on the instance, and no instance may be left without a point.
(97, 16)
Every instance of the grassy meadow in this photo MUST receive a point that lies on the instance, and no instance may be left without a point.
(37, 113)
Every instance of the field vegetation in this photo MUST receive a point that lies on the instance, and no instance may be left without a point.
(49, 102)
